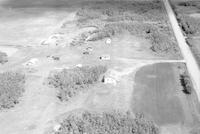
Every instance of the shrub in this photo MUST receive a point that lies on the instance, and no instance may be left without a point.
(186, 83)
(107, 123)
(71, 81)
(11, 88)
(3, 58)
(161, 43)
(101, 34)
(80, 39)
(108, 12)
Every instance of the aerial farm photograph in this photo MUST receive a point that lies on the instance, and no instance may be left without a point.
(99, 66)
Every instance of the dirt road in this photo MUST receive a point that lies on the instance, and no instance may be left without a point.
(191, 63)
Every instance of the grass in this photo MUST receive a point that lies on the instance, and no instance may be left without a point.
(193, 45)
(11, 88)
(3, 57)
(70, 82)
(165, 108)
(107, 123)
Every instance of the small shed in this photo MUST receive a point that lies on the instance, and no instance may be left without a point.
(104, 57)
(32, 62)
(109, 80)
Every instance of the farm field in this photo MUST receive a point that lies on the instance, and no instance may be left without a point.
(187, 13)
(93, 67)
(170, 107)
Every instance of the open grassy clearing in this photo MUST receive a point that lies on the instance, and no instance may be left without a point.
(171, 104)
(70, 82)
(27, 24)
(11, 88)
(106, 123)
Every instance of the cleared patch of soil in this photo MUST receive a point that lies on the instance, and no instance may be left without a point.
(30, 26)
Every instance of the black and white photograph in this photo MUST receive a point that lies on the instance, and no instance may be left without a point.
(99, 66)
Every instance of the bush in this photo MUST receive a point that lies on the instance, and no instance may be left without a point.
(80, 39)
(11, 88)
(161, 43)
(3, 57)
(107, 123)
(101, 34)
(186, 83)
(71, 81)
